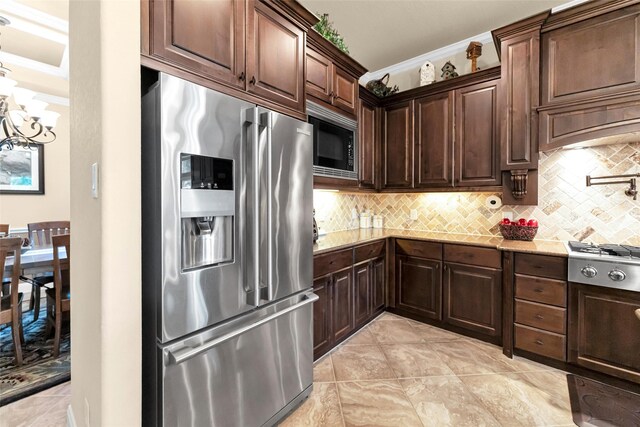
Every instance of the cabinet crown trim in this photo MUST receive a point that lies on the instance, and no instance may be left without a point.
(532, 23)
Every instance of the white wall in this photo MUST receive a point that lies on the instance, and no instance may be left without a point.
(410, 79)
(53, 205)
(105, 128)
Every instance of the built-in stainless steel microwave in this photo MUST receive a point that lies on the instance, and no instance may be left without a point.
(335, 140)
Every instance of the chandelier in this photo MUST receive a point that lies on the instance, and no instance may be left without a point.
(28, 125)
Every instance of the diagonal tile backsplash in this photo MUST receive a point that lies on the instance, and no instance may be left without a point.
(567, 210)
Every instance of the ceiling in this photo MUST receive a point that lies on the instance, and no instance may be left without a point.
(380, 33)
(35, 46)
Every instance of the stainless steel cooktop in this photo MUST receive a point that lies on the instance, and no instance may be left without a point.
(614, 266)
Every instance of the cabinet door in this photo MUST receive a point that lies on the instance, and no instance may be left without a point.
(205, 36)
(367, 136)
(519, 97)
(477, 161)
(275, 57)
(344, 90)
(398, 146)
(434, 141)
(604, 330)
(322, 316)
(419, 286)
(596, 57)
(473, 298)
(362, 289)
(319, 76)
(342, 305)
(378, 285)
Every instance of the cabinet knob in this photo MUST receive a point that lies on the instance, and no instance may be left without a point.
(538, 290)
(539, 317)
(638, 313)
(241, 77)
(539, 342)
(253, 80)
(437, 266)
(445, 267)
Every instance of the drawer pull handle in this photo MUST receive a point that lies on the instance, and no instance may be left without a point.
(539, 342)
(638, 313)
(539, 317)
(538, 290)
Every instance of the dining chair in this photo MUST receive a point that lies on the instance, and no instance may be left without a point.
(6, 281)
(40, 234)
(11, 304)
(59, 297)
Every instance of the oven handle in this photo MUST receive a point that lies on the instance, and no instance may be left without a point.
(187, 353)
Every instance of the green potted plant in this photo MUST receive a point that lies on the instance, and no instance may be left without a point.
(326, 30)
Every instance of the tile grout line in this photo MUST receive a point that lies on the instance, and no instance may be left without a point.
(333, 369)
(415, 411)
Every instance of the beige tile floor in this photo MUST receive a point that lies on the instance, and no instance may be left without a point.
(45, 409)
(395, 372)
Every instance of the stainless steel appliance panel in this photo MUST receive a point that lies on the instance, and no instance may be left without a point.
(196, 120)
(286, 206)
(242, 373)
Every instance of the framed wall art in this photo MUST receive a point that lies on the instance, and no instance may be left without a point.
(22, 170)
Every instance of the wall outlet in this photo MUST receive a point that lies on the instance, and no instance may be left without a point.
(413, 215)
(508, 215)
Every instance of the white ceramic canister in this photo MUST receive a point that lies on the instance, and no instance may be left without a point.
(365, 220)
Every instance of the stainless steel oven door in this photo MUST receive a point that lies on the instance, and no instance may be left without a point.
(249, 372)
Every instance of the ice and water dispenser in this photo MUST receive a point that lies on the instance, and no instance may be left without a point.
(207, 210)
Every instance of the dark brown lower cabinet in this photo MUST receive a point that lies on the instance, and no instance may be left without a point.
(419, 286)
(322, 315)
(604, 330)
(473, 298)
(349, 295)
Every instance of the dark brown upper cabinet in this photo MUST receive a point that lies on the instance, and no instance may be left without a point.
(253, 50)
(207, 37)
(455, 138)
(275, 55)
(332, 76)
(477, 146)
(434, 141)
(590, 80)
(368, 147)
(398, 145)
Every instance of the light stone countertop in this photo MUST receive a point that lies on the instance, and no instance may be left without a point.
(344, 239)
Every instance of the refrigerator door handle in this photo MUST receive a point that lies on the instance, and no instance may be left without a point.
(269, 126)
(184, 354)
(253, 146)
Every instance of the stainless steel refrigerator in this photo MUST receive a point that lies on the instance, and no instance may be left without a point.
(227, 258)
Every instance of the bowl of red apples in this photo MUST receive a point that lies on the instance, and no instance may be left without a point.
(521, 229)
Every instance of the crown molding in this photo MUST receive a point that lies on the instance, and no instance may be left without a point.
(567, 6)
(434, 55)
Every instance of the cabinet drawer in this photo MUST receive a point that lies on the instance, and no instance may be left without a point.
(538, 289)
(552, 267)
(547, 317)
(333, 261)
(473, 255)
(419, 248)
(372, 250)
(540, 342)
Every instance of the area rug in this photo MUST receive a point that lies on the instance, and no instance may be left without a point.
(596, 404)
(39, 370)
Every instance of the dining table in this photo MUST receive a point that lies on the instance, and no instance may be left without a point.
(35, 260)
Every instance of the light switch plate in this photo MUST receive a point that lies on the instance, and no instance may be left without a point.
(414, 214)
(94, 180)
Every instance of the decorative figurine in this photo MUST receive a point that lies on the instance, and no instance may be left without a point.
(474, 51)
(427, 74)
(448, 71)
(380, 88)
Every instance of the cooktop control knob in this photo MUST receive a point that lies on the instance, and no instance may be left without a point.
(589, 271)
(617, 275)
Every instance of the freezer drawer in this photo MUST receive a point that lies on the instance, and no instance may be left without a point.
(243, 373)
